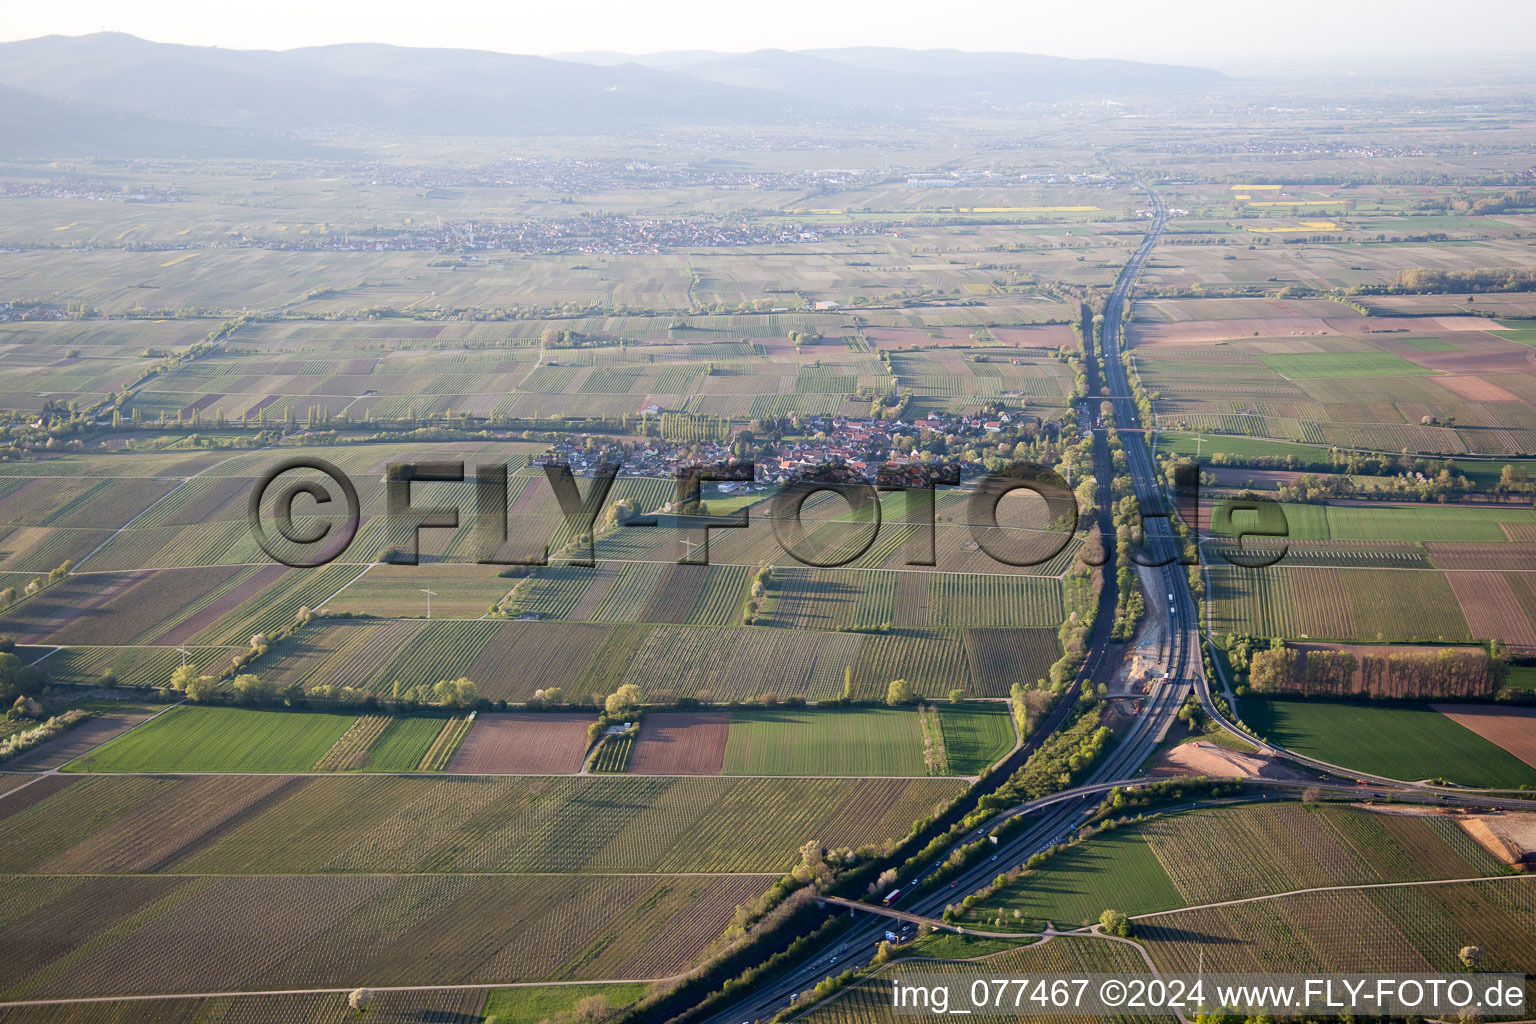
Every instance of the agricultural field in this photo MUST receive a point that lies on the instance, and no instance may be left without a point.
(513, 744)
(681, 743)
(1371, 605)
(366, 823)
(513, 659)
(976, 735)
(107, 721)
(949, 739)
(894, 291)
(1417, 929)
(395, 591)
(1232, 853)
(870, 1000)
(1521, 677)
(1510, 728)
(1409, 742)
(532, 1005)
(218, 739)
(402, 744)
(328, 1008)
(144, 932)
(1299, 374)
(787, 741)
(611, 757)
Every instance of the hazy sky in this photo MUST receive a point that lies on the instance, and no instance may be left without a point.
(1183, 29)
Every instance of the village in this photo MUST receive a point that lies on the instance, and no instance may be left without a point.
(937, 448)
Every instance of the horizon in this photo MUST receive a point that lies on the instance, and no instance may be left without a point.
(1197, 32)
(676, 515)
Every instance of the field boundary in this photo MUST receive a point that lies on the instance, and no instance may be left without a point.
(1335, 888)
(476, 986)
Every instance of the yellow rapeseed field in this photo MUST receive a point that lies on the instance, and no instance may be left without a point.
(1306, 225)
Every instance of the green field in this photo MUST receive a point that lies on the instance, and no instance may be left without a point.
(1399, 741)
(536, 1003)
(950, 946)
(1431, 344)
(1180, 443)
(1118, 870)
(403, 744)
(1192, 858)
(1521, 677)
(1402, 523)
(1309, 365)
(868, 741)
(197, 739)
(976, 734)
(1485, 472)
(1523, 335)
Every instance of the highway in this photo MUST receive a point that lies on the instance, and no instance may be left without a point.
(1061, 815)
(1054, 818)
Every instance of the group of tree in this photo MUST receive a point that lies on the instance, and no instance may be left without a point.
(16, 677)
(1512, 199)
(622, 705)
(250, 690)
(1409, 673)
(1062, 760)
(1130, 604)
(1423, 280)
(1114, 922)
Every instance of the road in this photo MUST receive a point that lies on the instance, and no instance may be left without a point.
(1060, 816)
(1055, 818)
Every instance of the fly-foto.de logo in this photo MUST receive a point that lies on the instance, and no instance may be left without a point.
(305, 512)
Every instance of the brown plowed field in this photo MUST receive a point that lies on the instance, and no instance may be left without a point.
(1493, 611)
(1514, 729)
(1413, 324)
(523, 744)
(681, 744)
(1501, 360)
(83, 737)
(1475, 389)
(1474, 555)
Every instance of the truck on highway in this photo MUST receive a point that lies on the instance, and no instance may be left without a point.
(892, 898)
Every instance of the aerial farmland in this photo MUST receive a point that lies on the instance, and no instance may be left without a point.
(709, 563)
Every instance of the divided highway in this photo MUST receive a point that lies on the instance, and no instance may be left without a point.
(1055, 818)
(1059, 816)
